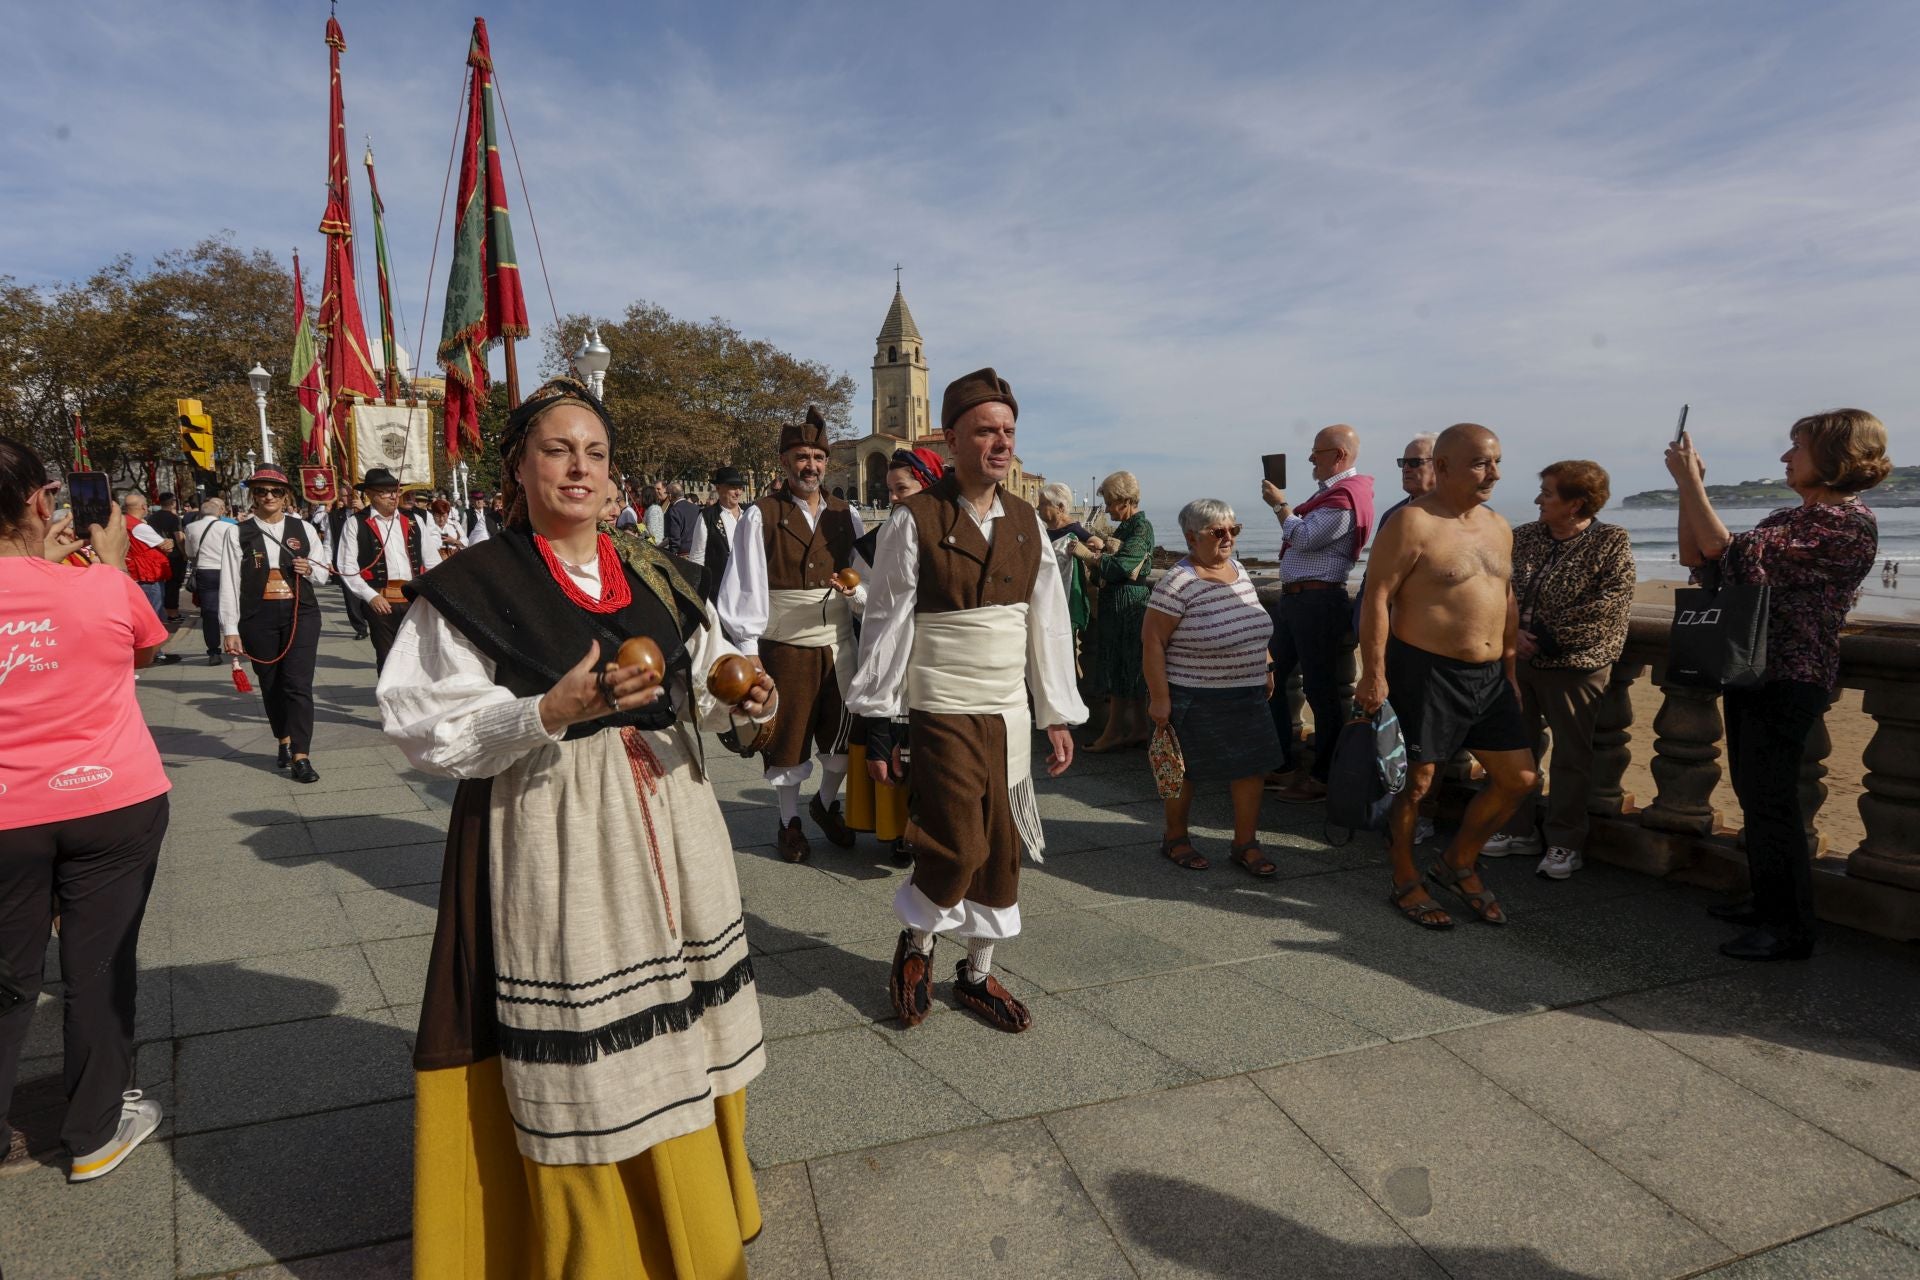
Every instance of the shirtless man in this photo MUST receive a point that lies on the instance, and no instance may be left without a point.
(1439, 626)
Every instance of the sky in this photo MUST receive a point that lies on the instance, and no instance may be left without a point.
(1187, 234)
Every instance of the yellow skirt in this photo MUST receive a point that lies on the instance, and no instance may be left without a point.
(872, 806)
(680, 1210)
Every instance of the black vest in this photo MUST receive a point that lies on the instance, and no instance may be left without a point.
(373, 556)
(259, 553)
(719, 549)
(500, 595)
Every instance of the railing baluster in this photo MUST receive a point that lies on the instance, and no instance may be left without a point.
(1612, 732)
(1686, 761)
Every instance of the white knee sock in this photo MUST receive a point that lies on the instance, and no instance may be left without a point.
(830, 780)
(922, 940)
(979, 960)
(789, 797)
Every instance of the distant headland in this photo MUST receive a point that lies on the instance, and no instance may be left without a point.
(1901, 489)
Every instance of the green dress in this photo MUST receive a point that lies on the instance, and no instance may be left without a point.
(1123, 607)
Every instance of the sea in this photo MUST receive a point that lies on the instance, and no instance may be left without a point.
(1655, 545)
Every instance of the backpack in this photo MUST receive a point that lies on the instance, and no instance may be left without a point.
(145, 563)
(1369, 769)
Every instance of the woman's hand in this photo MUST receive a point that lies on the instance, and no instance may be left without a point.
(1160, 709)
(303, 566)
(591, 691)
(231, 646)
(1526, 646)
(1683, 464)
(110, 539)
(60, 541)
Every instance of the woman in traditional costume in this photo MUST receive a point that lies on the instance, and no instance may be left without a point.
(590, 1021)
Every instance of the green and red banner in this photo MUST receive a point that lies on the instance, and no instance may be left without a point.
(349, 374)
(484, 300)
(304, 374)
(384, 271)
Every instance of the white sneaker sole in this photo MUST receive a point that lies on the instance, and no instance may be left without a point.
(99, 1164)
(1564, 872)
(1512, 851)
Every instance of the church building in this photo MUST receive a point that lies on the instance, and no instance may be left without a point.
(902, 418)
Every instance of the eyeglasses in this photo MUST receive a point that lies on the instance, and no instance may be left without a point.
(269, 491)
(1408, 463)
(1225, 532)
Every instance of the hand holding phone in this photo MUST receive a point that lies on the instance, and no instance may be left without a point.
(92, 498)
(1275, 467)
(1680, 431)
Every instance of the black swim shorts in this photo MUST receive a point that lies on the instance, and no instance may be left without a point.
(1445, 704)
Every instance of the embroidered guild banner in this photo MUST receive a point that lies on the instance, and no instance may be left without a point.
(397, 437)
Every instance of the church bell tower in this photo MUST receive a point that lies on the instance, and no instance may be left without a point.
(900, 374)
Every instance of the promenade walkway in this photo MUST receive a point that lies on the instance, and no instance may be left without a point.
(1226, 1078)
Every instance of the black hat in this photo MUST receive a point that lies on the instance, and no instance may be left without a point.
(379, 478)
(982, 386)
(730, 475)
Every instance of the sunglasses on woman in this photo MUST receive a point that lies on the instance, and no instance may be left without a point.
(1225, 531)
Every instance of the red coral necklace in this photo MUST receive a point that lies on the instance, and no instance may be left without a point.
(615, 594)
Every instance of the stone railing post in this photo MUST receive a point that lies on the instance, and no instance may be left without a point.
(1890, 802)
(1686, 756)
(1813, 785)
(1612, 731)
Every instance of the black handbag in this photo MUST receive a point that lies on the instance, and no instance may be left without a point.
(1719, 636)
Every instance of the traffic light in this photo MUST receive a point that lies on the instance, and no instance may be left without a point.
(196, 433)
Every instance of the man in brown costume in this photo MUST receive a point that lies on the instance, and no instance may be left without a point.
(964, 617)
(778, 601)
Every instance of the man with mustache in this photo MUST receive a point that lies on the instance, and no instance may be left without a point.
(779, 603)
(1440, 626)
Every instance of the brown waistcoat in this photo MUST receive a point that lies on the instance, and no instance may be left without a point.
(958, 568)
(799, 557)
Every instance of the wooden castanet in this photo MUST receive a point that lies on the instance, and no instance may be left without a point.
(731, 679)
(847, 579)
(642, 652)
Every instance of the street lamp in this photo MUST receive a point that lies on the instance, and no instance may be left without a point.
(262, 381)
(591, 360)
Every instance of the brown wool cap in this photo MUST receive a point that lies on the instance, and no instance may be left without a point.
(811, 434)
(982, 386)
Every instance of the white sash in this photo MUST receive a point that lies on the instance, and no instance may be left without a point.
(974, 662)
(804, 619)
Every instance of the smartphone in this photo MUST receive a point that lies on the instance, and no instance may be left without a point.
(1680, 431)
(92, 499)
(1275, 465)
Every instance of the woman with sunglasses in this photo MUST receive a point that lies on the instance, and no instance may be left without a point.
(1204, 651)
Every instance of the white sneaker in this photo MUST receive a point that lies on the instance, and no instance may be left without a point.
(1502, 845)
(1422, 830)
(139, 1117)
(1560, 863)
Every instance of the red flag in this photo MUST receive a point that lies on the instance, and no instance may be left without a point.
(305, 375)
(484, 300)
(82, 460)
(349, 371)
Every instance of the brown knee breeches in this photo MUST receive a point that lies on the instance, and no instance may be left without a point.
(961, 822)
(810, 704)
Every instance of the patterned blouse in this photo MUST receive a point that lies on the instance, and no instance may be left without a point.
(1814, 559)
(1574, 595)
(1220, 639)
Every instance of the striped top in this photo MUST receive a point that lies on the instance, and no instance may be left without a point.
(1222, 637)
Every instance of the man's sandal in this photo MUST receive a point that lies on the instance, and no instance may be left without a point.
(910, 982)
(991, 1001)
(1180, 851)
(1250, 860)
(1428, 914)
(1482, 902)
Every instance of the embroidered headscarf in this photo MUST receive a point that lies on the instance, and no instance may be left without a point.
(925, 464)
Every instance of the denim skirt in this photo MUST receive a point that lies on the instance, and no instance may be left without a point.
(1224, 733)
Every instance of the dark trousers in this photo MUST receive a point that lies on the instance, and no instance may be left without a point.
(206, 595)
(356, 611)
(1767, 731)
(172, 594)
(1309, 628)
(384, 627)
(96, 873)
(286, 686)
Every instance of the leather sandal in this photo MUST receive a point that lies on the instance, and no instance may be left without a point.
(1180, 851)
(1482, 903)
(991, 1001)
(910, 982)
(1251, 860)
(1428, 914)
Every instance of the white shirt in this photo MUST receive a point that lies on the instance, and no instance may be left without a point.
(146, 534)
(743, 601)
(438, 700)
(206, 537)
(478, 533)
(273, 535)
(346, 556)
(728, 520)
(449, 533)
(657, 524)
(886, 634)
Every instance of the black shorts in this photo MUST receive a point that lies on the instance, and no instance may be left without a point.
(1445, 704)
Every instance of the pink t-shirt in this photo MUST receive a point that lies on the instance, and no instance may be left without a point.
(72, 740)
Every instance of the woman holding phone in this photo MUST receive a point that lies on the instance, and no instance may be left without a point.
(83, 808)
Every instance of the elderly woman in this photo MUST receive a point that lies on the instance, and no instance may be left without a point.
(1056, 514)
(446, 526)
(1208, 672)
(1573, 577)
(1814, 558)
(590, 1022)
(1120, 569)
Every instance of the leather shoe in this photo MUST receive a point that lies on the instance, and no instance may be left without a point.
(1735, 911)
(303, 771)
(285, 756)
(831, 824)
(1305, 791)
(792, 842)
(902, 853)
(1762, 944)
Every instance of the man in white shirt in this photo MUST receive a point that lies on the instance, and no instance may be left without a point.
(779, 602)
(206, 540)
(965, 618)
(380, 548)
(713, 538)
(269, 612)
